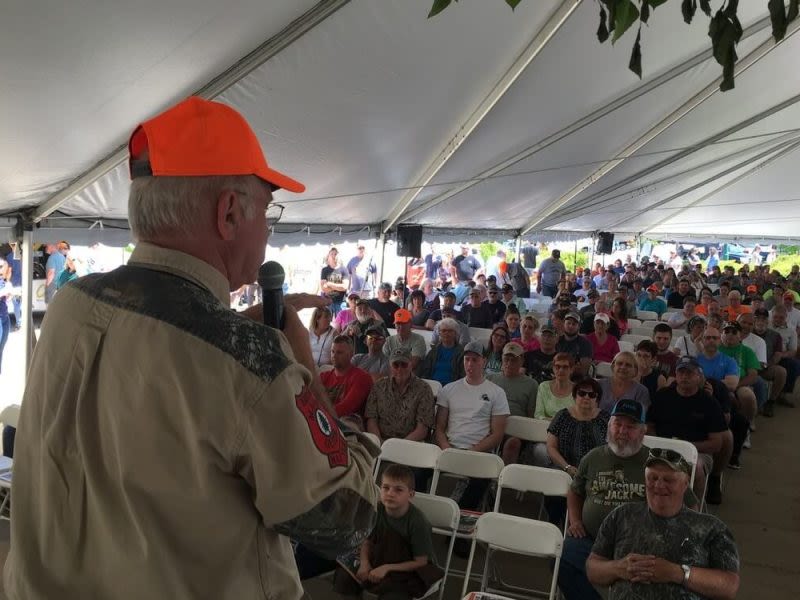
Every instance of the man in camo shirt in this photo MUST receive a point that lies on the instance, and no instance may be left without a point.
(662, 549)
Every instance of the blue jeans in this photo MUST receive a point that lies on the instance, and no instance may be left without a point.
(5, 328)
(572, 570)
(761, 391)
(792, 366)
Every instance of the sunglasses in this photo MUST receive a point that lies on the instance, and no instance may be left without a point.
(666, 454)
(588, 393)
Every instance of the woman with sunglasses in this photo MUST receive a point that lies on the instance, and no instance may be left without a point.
(574, 431)
(556, 394)
(623, 384)
(494, 354)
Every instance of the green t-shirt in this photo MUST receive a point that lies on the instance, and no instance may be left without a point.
(606, 481)
(547, 404)
(744, 357)
(412, 527)
(520, 393)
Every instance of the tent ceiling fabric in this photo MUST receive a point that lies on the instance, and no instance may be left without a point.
(358, 107)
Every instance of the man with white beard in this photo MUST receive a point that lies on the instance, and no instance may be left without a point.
(608, 476)
(365, 319)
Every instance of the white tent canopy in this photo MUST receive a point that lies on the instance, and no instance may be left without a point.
(481, 119)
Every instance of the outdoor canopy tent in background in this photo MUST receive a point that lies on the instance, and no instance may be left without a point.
(498, 122)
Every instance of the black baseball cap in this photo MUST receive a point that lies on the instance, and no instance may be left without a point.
(732, 325)
(672, 458)
(687, 362)
(629, 408)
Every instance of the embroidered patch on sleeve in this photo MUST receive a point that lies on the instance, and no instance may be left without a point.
(324, 431)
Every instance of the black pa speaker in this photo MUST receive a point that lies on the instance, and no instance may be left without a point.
(605, 242)
(409, 241)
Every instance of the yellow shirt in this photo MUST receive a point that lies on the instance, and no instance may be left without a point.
(165, 443)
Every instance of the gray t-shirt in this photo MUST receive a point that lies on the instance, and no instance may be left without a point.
(606, 481)
(551, 270)
(374, 364)
(415, 343)
(635, 392)
(689, 538)
(520, 391)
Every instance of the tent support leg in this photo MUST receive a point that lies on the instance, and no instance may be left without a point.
(382, 260)
(25, 237)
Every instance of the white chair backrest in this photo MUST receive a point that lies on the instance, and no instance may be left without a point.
(520, 535)
(525, 478)
(634, 322)
(410, 453)
(641, 330)
(686, 449)
(427, 335)
(468, 463)
(525, 428)
(479, 334)
(626, 346)
(436, 387)
(324, 368)
(441, 512)
(677, 332)
(634, 339)
(647, 315)
(10, 415)
(603, 369)
(650, 324)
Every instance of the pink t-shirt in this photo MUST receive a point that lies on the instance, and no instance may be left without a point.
(603, 352)
(343, 319)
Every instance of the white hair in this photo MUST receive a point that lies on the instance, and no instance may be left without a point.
(449, 323)
(167, 205)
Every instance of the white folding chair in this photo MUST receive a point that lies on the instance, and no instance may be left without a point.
(10, 415)
(407, 452)
(391, 331)
(517, 535)
(443, 515)
(466, 463)
(324, 368)
(427, 334)
(647, 315)
(479, 334)
(634, 322)
(626, 346)
(643, 330)
(540, 480)
(527, 429)
(603, 369)
(634, 339)
(436, 387)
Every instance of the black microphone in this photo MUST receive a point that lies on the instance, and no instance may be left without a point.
(270, 278)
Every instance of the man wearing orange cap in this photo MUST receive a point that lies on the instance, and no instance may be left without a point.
(175, 446)
(405, 338)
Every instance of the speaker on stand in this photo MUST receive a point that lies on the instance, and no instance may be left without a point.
(409, 241)
(605, 242)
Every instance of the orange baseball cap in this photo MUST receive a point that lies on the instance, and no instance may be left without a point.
(403, 316)
(200, 137)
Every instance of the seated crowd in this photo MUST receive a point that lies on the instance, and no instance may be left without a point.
(718, 355)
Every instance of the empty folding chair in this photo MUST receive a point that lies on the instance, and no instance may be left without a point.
(9, 416)
(527, 429)
(406, 452)
(517, 535)
(634, 339)
(634, 322)
(626, 346)
(540, 480)
(647, 315)
(466, 463)
(443, 515)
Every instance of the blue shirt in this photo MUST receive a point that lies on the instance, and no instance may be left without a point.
(657, 305)
(443, 369)
(3, 304)
(713, 261)
(58, 262)
(718, 367)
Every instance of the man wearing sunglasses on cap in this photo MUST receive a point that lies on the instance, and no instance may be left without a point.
(607, 477)
(176, 446)
(662, 549)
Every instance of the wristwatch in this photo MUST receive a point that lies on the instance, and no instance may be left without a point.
(687, 570)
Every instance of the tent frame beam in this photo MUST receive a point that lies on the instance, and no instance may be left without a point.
(469, 123)
(277, 43)
(576, 126)
(684, 109)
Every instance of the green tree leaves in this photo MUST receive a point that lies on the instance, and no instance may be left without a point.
(625, 15)
(438, 6)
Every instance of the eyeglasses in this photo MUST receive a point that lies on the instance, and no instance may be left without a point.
(588, 393)
(274, 212)
(400, 364)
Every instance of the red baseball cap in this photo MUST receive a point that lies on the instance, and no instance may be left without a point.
(199, 137)
(403, 316)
